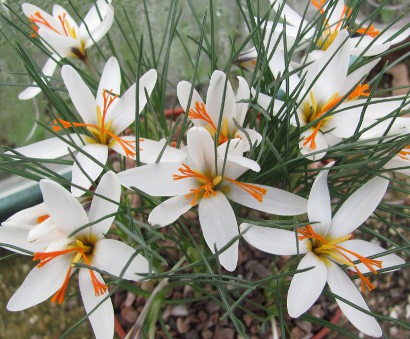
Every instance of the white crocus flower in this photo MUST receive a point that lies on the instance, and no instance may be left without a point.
(207, 114)
(329, 87)
(326, 242)
(63, 37)
(201, 181)
(88, 246)
(105, 117)
(365, 41)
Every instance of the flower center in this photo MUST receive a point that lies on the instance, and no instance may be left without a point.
(330, 249)
(200, 113)
(208, 185)
(312, 110)
(79, 251)
(102, 131)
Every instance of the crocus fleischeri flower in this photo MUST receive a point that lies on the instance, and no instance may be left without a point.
(327, 244)
(63, 37)
(201, 181)
(87, 246)
(105, 117)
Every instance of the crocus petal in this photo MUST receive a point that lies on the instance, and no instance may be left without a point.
(320, 144)
(48, 71)
(219, 227)
(265, 101)
(60, 11)
(112, 256)
(341, 285)
(353, 78)
(151, 149)
(45, 232)
(40, 284)
(28, 216)
(63, 208)
(233, 148)
(307, 286)
(288, 13)
(50, 148)
(183, 91)
(61, 44)
(255, 138)
(215, 95)
(31, 10)
(157, 179)
(319, 208)
(80, 94)
(17, 236)
(89, 166)
(235, 160)
(275, 201)
(109, 187)
(123, 115)
(273, 240)
(367, 249)
(92, 18)
(169, 211)
(242, 94)
(102, 29)
(102, 319)
(396, 163)
(110, 81)
(201, 149)
(358, 207)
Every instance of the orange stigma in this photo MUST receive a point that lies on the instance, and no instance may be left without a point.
(325, 248)
(405, 153)
(370, 31)
(42, 218)
(256, 191)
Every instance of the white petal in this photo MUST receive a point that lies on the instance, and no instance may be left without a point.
(157, 179)
(265, 102)
(183, 91)
(80, 94)
(17, 236)
(98, 152)
(358, 75)
(50, 148)
(40, 284)
(319, 208)
(45, 232)
(124, 113)
(102, 319)
(255, 138)
(307, 286)
(28, 216)
(48, 71)
(92, 18)
(150, 150)
(341, 285)
(234, 161)
(288, 13)
(61, 44)
(112, 256)
(242, 94)
(273, 240)
(367, 249)
(396, 163)
(201, 149)
(320, 144)
(358, 207)
(219, 227)
(64, 209)
(102, 29)
(235, 148)
(215, 95)
(109, 187)
(169, 211)
(110, 81)
(275, 201)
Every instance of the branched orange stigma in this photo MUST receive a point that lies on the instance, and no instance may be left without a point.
(323, 247)
(318, 4)
(370, 31)
(99, 287)
(312, 137)
(404, 153)
(37, 18)
(200, 113)
(359, 91)
(42, 218)
(256, 191)
(207, 187)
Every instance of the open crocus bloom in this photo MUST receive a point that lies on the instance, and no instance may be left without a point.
(329, 100)
(365, 41)
(63, 37)
(105, 117)
(208, 115)
(326, 242)
(88, 246)
(201, 181)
